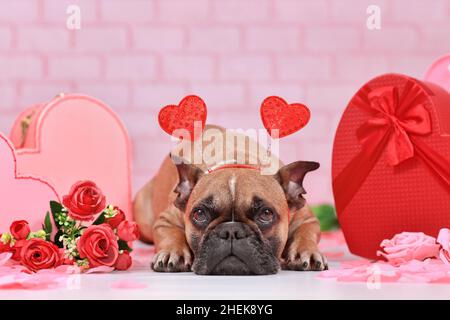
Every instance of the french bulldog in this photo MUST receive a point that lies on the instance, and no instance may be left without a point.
(231, 220)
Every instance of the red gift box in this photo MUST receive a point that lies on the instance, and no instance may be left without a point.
(391, 162)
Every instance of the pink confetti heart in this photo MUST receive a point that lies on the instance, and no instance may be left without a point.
(128, 285)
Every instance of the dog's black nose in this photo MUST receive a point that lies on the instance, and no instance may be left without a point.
(232, 230)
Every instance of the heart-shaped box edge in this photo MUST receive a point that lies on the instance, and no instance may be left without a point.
(42, 112)
(18, 176)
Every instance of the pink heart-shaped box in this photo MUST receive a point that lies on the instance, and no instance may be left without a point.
(75, 137)
(23, 197)
(439, 72)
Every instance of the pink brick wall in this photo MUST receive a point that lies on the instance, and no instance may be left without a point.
(138, 55)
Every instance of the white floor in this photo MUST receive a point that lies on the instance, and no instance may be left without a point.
(143, 283)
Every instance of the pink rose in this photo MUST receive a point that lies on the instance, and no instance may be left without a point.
(407, 246)
(444, 240)
(84, 200)
(98, 244)
(128, 231)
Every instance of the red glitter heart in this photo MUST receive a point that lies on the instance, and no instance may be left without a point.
(276, 113)
(183, 116)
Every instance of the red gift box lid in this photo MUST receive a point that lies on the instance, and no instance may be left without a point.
(391, 162)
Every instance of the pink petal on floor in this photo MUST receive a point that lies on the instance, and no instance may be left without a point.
(385, 268)
(343, 272)
(390, 278)
(13, 269)
(6, 280)
(355, 263)
(128, 285)
(51, 271)
(356, 275)
(352, 278)
(442, 280)
(68, 269)
(444, 238)
(36, 281)
(100, 269)
(371, 273)
(418, 277)
(41, 281)
(4, 257)
(414, 271)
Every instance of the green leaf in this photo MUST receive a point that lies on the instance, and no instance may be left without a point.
(55, 208)
(123, 245)
(100, 219)
(58, 243)
(47, 226)
(327, 217)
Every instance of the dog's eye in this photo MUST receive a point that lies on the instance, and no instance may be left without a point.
(266, 216)
(200, 216)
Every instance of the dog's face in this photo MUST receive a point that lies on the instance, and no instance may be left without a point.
(237, 220)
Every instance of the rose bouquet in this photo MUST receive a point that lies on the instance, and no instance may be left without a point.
(85, 233)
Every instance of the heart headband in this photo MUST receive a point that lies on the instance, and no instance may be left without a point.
(278, 117)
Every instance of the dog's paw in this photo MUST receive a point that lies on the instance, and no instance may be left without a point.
(305, 260)
(179, 260)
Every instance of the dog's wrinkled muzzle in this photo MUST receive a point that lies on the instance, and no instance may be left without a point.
(233, 248)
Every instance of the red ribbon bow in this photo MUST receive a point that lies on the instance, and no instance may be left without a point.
(396, 123)
(398, 119)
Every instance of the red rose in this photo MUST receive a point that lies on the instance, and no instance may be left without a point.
(123, 261)
(20, 229)
(16, 249)
(128, 231)
(117, 219)
(98, 244)
(84, 200)
(39, 254)
(4, 247)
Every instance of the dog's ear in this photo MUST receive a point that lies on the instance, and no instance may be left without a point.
(291, 177)
(188, 175)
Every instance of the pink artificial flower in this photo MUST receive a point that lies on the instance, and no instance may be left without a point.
(128, 231)
(407, 246)
(444, 240)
